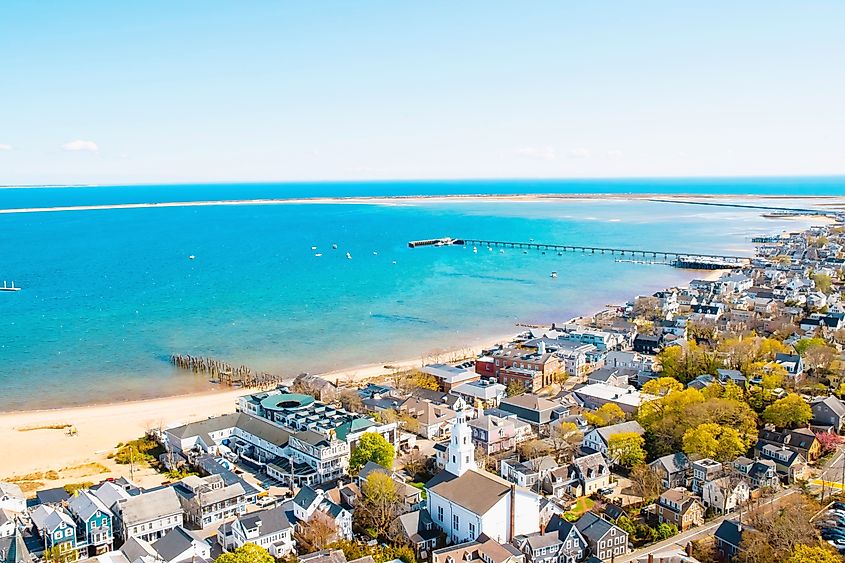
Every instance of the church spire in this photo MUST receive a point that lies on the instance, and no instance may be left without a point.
(461, 451)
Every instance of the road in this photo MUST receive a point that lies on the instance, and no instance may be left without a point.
(832, 475)
(680, 541)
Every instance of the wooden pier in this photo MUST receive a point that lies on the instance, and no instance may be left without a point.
(225, 373)
(691, 260)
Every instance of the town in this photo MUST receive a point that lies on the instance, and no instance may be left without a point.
(700, 423)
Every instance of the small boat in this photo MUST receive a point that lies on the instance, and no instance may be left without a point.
(191, 257)
(560, 253)
(501, 251)
(490, 248)
(318, 254)
(334, 247)
(348, 256)
(475, 249)
(375, 253)
(554, 274)
(525, 252)
(393, 262)
(9, 288)
(313, 248)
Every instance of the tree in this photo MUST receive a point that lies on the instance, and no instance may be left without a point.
(533, 449)
(626, 448)
(380, 504)
(666, 531)
(806, 343)
(371, 447)
(645, 482)
(721, 443)
(351, 401)
(828, 441)
(662, 386)
(818, 553)
(416, 464)
(62, 553)
(823, 282)
(607, 414)
(773, 534)
(247, 553)
(314, 536)
(789, 411)
(565, 438)
(514, 388)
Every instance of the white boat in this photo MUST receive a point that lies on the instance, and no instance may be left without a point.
(525, 252)
(334, 246)
(375, 253)
(490, 248)
(348, 256)
(554, 274)
(313, 248)
(191, 257)
(9, 287)
(501, 251)
(318, 254)
(393, 262)
(475, 249)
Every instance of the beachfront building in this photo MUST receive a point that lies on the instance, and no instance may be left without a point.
(207, 500)
(94, 522)
(465, 502)
(449, 377)
(11, 497)
(56, 529)
(533, 368)
(150, 515)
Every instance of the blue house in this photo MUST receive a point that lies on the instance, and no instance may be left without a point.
(56, 528)
(94, 523)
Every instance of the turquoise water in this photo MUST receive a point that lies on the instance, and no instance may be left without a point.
(110, 294)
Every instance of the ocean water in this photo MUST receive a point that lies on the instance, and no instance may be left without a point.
(110, 294)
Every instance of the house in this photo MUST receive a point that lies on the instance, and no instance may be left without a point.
(793, 364)
(673, 469)
(582, 477)
(527, 473)
(310, 504)
(563, 544)
(724, 494)
(433, 420)
(704, 471)
(420, 532)
(269, 529)
(314, 385)
(790, 464)
(612, 376)
(680, 507)
(465, 502)
(8, 527)
(207, 500)
(800, 440)
(597, 439)
(449, 377)
(728, 537)
(533, 409)
(56, 496)
(11, 497)
(483, 392)
(606, 540)
(596, 395)
(829, 411)
(702, 381)
(482, 550)
(533, 369)
(149, 516)
(181, 546)
(647, 344)
(56, 529)
(494, 434)
(731, 376)
(763, 473)
(93, 522)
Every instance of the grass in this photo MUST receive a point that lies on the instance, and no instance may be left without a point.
(421, 487)
(44, 427)
(71, 488)
(49, 475)
(143, 450)
(582, 505)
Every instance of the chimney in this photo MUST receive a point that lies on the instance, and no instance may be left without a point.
(511, 533)
(689, 549)
(650, 558)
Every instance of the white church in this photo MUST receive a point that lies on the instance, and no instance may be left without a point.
(465, 501)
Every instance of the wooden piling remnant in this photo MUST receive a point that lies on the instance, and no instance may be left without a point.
(225, 373)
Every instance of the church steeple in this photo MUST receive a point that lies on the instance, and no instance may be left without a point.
(461, 451)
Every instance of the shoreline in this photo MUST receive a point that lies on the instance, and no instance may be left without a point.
(699, 199)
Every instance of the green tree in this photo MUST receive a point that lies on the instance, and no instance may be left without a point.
(666, 531)
(380, 505)
(607, 414)
(626, 448)
(789, 411)
(371, 447)
(247, 553)
(820, 553)
(806, 343)
(824, 283)
(61, 553)
(662, 386)
(514, 388)
(721, 443)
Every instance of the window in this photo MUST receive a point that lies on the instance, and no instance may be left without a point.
(440, 513)
(456, 523)
(472, 530)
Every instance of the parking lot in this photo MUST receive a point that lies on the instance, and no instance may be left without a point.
(831, 525)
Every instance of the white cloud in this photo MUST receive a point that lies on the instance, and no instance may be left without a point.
(80, 145)
(541, 153)
(580, 153)
(614, 153)
(5, 147)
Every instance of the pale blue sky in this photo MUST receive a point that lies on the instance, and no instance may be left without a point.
(112, 92)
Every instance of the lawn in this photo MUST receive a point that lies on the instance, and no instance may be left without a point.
(582, 505)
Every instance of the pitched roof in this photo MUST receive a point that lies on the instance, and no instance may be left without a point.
(475, 491)
(729, 531)
(672, 463)
(11, 489)
(834, 404)
(85, 505)
(531, 402)
(631, 426)
(418, 526)
(305, 497)
(175, 542)
(593, 527)
(149, 506)
(371, 467)
(273, 520)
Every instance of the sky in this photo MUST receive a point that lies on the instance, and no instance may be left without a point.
(199, 91)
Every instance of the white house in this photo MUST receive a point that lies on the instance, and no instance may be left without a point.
(597, 439)
(150, 515)
(723, 495)
(181, 546)
(269, 529)
(11, 497)
(465, 502)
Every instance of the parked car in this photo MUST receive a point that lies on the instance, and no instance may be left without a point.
(838, 505)
(266, 502)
